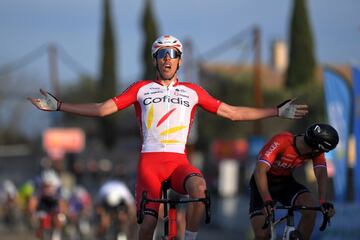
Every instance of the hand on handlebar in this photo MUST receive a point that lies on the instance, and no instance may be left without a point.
(328, 209)
(269, 207)
(268, 211)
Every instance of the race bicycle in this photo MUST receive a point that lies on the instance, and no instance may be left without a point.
(46, 225)
(290, 231)
(170, 210)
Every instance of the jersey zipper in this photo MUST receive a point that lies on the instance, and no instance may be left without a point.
(168, 93)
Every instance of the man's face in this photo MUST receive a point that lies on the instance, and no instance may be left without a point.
(311, 150)
(48, 189)
(167, 62)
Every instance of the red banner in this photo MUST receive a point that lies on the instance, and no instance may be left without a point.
(64, 139)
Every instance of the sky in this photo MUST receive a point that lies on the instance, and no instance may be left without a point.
(75, 26)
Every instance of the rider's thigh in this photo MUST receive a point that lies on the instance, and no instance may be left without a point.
(185, 176)
(306, 199)
(257, 222)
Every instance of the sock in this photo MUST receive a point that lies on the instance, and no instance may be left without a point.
(56, 235)
(190, 235)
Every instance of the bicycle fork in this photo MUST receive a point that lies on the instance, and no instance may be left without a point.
(170, 222)
(290, 226)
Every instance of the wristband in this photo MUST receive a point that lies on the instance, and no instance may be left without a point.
(267, 198)
(321, 201)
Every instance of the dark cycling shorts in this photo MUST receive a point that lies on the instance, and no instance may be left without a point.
(155, 168)
(48, 204)
(282, 188)
(120, 207)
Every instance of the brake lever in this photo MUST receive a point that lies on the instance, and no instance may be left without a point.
(268, 218)
(325, 222)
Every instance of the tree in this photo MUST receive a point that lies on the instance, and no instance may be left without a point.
(150, 34)
(83, 89)
(302, 63)
(107, 83)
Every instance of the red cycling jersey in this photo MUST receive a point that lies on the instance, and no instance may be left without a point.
(281, 156)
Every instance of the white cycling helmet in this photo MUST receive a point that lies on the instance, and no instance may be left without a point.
(51, 178)
(166, 41)
(9, 188)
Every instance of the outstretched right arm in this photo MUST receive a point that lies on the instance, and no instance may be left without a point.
(48, 102)
(90, 109)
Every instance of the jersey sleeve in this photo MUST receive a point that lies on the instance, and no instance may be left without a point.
(273, 148)
(319, 161)
(129, 96)
(206, 101)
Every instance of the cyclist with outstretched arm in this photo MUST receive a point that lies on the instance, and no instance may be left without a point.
(273, 181)
(165, 109)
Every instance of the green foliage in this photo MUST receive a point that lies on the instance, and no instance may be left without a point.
(302, 62)
(313, 95)
(80, 91)
(233, 90)
(107, 84)
(83, 89)
(238, 91)
(150, 34)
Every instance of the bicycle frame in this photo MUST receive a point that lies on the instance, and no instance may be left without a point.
(170, 212)
(46, 228)
(290, 232)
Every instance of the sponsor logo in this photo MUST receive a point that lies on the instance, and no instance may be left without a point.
(156, 92)
(176, 93)
(280, 164)
(167, 99)
(180, 90)
(272, 147)
(185, 96)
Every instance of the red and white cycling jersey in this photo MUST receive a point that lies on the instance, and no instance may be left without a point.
(165, 113)
(281, 156)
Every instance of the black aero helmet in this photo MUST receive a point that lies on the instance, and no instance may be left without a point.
(322, 137)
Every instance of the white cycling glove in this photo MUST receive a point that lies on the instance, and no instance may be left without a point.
(48, 102)
(288, 109)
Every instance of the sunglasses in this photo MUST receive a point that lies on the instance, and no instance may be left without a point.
(173, 53)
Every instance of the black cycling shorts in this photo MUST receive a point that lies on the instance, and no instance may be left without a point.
(120, 207)
(48, 204)
(282, 188)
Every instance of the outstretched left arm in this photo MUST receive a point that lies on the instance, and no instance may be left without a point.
(235, 113)
(287, 109)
